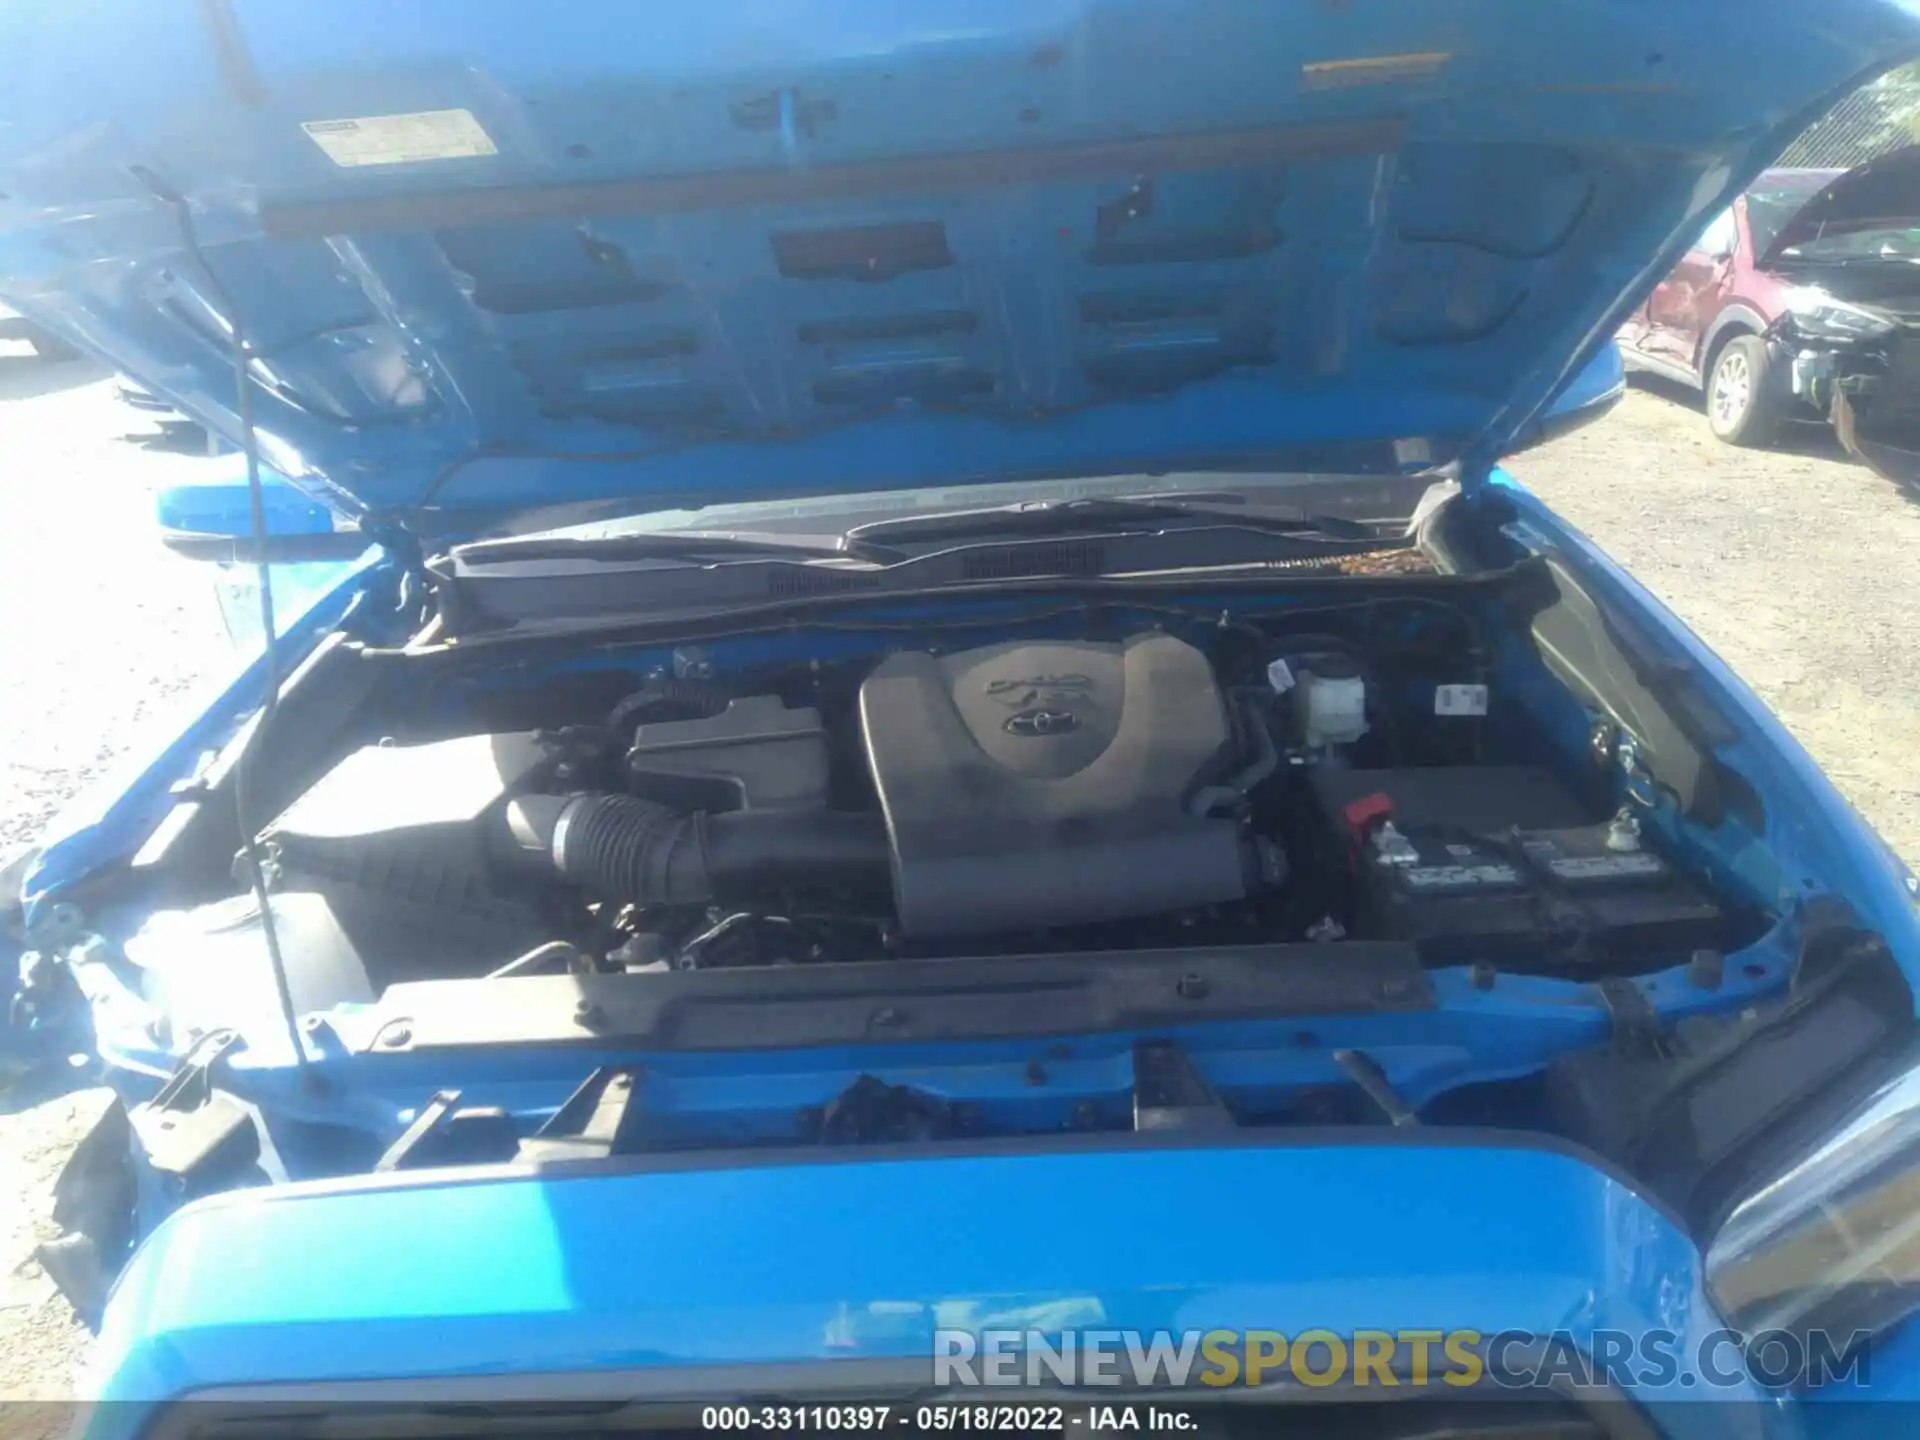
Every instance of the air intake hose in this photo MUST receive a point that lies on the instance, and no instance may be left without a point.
(636, 851)
(667, 698)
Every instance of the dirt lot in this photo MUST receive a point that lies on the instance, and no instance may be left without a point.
(1795, 565)
(81, 579)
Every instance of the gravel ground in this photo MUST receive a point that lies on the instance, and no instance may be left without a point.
(1792, 564)
(109, 634)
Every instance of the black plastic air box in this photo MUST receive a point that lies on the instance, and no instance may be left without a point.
(394, 836)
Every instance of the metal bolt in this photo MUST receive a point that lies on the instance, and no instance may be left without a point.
(1395, 987)
(1192, 986)
(588, 1013)
(1623, 832)
(399, 1035)
(1706, 969)
(1601, 739)
(886, 1016)
(1482, 974)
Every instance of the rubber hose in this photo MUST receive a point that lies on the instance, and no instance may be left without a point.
(635, 851)
(667, 699)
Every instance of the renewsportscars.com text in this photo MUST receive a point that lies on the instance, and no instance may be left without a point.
(1657, 1359)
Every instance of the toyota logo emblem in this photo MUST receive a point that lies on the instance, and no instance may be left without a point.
(1036, 723)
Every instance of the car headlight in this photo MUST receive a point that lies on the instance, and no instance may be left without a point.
(1834, 1243)
(1819, 314)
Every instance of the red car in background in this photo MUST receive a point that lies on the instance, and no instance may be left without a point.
(1801, 300)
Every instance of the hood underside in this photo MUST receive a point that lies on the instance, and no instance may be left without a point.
(487, 262)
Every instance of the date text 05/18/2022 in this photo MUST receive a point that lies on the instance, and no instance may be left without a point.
(965, 1419)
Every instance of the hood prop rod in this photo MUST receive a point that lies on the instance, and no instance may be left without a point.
(251, 858)
(1371, 1080)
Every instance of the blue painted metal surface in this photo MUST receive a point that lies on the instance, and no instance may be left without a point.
(1442, 217)
(839, 1258)
(748, 1097)
(1588, 396)
(1840, 1413)
(220, 502)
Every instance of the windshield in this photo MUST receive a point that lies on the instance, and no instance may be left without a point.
(1899, 242)
(1774, 202)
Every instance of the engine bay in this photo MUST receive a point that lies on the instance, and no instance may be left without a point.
(1145, 786)
(1444, 842)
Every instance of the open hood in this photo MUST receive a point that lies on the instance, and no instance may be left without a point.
(1883, 194)
(486, 260)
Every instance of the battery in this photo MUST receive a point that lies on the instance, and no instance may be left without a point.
(1502, 863)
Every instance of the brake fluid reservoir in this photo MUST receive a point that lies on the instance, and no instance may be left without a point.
(1330, 701)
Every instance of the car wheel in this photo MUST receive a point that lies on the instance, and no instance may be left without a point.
(1743, 405)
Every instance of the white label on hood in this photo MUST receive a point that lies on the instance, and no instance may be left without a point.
(401, 139)
(1460, 700)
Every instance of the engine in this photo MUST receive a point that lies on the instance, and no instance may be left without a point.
(1014, 787)
(1033, 786)
(1015, 797)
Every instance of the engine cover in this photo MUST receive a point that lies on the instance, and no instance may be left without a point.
(1040, 785)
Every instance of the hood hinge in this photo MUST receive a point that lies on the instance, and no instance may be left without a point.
(391, 534)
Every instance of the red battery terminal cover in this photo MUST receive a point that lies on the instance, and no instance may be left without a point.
(1366, 813)
(1363, 817)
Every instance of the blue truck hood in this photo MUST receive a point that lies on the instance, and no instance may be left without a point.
(482, 264)
(678, 1268)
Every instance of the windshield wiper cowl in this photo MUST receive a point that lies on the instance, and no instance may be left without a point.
(669, 545)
